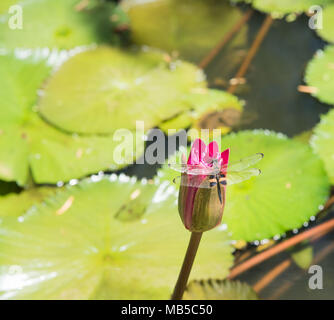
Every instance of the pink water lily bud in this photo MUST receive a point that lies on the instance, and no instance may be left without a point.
(202, 191)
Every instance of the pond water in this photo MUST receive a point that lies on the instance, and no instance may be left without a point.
(273, 102)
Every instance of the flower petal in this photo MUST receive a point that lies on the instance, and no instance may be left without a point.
(211, 152)
(225, 156)
(197, 152)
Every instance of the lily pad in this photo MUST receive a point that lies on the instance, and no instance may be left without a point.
(279, 8)
(191, 27)
(219, 290)
(209, 109)
(303, 257)
(73, 247)
(6, 4)
(102, 90)
(327, 30)
(320, 75)
(29, 143)
(15, 204)
(323, 142)
(267, 205)
(57, 24)
(270, 204)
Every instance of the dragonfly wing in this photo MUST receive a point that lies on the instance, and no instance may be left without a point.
(192, 181)
(178, 167)
(234, 177)
(193, 169)
(243, 164)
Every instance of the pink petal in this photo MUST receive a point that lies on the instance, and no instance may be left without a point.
(197, 152)
(225, 156)
(211, 152)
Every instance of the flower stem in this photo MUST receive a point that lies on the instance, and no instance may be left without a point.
(188, 261)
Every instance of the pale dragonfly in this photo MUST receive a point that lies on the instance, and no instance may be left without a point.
(216, 175)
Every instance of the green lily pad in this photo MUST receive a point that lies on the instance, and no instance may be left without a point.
(191, 27)
(27, 142)
(64, 28)
(6, 4)
(219, 290)
(327, 30)
(320, 75)
(279, 8)
(72, 247)
(210, 109)
(269, 205)
(323, 142)
(15, 204)
(303, 257)
(115, 89)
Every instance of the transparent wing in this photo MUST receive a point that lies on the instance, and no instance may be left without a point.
(191, 181)
(193, 169)
(234, 177)
(243, 163)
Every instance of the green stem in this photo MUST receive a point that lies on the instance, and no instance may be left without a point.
(188, 261)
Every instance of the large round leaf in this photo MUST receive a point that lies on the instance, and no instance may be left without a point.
(101, 90)
(282, 7)
(268, 205)
(15, 204)
(57, 24)
(6, 4)
(27, 142)
(327, 30)
(292, 186)
(74, 246)
(323, 142)
(210, 109)
(320, 75)
(190, 27)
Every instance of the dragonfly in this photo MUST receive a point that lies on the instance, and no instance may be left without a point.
(216, 175)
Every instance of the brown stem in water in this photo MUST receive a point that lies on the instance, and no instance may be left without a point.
(188, 261)
(252, 51)
(328, 225)
(227, 37)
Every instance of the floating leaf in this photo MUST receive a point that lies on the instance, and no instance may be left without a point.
(26, 141)
(72, 247)
(211, 109)
(327, 30)
(191, 27)
(323, 142)
(6, 4)
(303, 257)
(15, 204)
(320, 75)
(270, 204)
(58, 24)
(117, 88)
(219, 290)
(279, 8)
